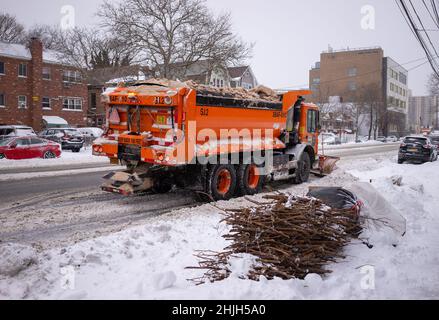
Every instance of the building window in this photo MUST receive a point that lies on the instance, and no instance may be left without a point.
(72, 76)
(46, 73)
(72, 104)
(22, 102)
(352, 72)
(46, 103)
(2, 67)
(352, 86)
(2, 100)
(402, 78)
(222, 83)
(93, 101)
(392, 87)
(22, 70)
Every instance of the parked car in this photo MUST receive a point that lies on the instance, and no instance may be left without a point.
(18, 148)
(16, 131)
(329, 138)
(434, 140)
(381, 139)
(417, 148)
(392, 139)
(69, 138)
(91, 132)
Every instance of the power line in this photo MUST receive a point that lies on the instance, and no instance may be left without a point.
(407, 14)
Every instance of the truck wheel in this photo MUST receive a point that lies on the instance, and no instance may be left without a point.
(2, 156)
(400, 161)
(221, 183)
(303, 169)
(249, 180)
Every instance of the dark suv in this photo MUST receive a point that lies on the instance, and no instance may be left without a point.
(69, 138)
(434, 140)
(418, 149)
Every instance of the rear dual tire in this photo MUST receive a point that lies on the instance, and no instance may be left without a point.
(225, 181)
(250, 180)
(221, 182)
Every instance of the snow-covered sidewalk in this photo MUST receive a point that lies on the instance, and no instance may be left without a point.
(67, 158)
(149, 261)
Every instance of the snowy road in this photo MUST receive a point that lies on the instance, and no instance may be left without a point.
(55, 211)
(76, 253)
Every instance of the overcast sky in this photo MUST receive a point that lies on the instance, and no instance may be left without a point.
(288, 34)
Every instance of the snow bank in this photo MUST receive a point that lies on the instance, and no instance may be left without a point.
(15, 258)
(149, 262)
(67, 158)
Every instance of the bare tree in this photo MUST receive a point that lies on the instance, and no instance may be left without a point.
(370, 101)
(173, 33)
(10, 29)
(84, 47)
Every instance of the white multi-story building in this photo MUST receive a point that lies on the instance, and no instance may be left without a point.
(395, 80)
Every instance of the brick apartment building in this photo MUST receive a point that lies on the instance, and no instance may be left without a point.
(34, 84)
(345, 73)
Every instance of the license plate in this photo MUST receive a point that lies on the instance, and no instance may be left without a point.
(114, 161)
(412, 150)
(161, 119)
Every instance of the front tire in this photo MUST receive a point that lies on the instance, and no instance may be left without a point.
(221, 182)
(303, 169)
(2, 156)
(249, 180)
(400, 161)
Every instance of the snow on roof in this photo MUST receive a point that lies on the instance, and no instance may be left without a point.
(15, 50)
(54, 120)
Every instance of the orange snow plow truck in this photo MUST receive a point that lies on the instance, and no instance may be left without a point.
(207, 140)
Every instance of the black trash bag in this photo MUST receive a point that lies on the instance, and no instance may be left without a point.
(335, 197)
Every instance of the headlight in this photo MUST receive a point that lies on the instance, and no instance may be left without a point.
(168, 100)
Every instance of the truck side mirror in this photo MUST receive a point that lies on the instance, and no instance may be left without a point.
(319, 127)
(13, 145)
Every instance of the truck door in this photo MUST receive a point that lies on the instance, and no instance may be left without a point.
(312, 125)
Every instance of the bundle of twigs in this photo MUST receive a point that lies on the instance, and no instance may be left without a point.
(290, 237)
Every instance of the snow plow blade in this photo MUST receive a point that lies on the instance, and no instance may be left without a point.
(126, 183)
(327, 165)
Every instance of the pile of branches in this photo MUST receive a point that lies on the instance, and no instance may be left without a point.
(289, 236)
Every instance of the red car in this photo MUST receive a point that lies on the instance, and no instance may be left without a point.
(18, 148)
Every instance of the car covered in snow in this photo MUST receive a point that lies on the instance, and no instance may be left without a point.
(91, 132)
(69, 138)
(417, 148)
(329, 138)
(15, 131)
(18, 148)
(392, 139)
